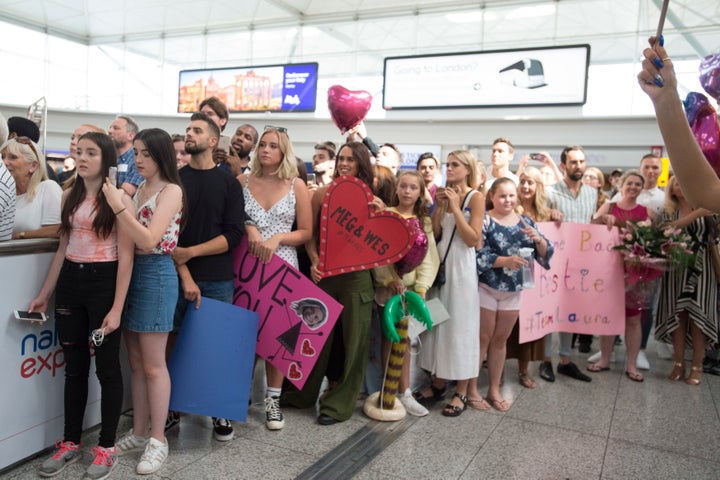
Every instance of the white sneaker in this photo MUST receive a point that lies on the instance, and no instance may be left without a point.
(665, 351)
(642, 361)
(595, 357)
(411, 405)
(130, 443)
(153, 457)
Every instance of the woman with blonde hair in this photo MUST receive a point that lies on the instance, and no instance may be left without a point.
(274, 200)
(451, 351)
(618, 214)
(595, 178)
(37, 212)
(532, 202)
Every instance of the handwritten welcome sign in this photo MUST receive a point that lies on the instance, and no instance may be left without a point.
(353, 236)
(296, 316)
(584, 290)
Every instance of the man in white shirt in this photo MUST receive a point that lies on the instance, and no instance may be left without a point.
(502, 154)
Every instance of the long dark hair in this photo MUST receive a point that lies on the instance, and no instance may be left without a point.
(362, 156)
(159, 144)
(104, 219)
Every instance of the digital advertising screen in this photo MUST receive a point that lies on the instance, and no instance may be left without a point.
(275, 88)
(536, 77)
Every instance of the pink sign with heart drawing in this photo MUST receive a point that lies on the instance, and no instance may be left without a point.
(296, 316)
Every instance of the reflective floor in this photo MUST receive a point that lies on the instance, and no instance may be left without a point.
(612, 428)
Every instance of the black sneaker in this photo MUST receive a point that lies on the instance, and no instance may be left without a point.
(572, 371)
(222, 429)
(273, 416)
(173, 419)
(546, 372)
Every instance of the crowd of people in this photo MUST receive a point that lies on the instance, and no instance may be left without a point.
(136, 251)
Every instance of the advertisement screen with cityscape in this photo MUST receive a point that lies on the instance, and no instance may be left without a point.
(277, 88)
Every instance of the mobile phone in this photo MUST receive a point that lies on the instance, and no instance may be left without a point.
(537, 156)
(224, 144)
(30, 317)
(311, 179)
(112, 175)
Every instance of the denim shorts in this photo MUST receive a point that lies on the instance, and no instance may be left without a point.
(221, 290)
(152, 294)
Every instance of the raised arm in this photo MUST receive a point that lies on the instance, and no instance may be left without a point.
(696, 176)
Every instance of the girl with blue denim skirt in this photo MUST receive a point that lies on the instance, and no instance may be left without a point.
(153, 291)
(89, 274)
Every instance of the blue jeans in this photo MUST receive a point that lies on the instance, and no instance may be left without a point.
(220, 290)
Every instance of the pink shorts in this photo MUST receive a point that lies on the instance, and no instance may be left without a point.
(495, 300)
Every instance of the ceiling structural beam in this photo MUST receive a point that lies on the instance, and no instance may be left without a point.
(43, 28)
(682, 29)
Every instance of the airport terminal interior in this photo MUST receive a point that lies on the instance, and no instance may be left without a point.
(69, 62)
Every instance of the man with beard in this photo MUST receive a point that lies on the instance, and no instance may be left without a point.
(216, 221)
(122, 131)
(571, 201)
(242, 143)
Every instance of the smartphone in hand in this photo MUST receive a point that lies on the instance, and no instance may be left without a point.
(112, 175)
(30, 317)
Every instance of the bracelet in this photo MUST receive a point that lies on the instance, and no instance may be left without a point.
(119, 212)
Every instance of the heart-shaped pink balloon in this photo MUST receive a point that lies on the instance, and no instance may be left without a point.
(710, 75)
(707, 133)
(348, 107)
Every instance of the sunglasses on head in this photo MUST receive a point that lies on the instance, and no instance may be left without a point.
(273, 127)
(28, 142)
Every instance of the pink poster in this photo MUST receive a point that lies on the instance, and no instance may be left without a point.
(584, 290)
(296, 316)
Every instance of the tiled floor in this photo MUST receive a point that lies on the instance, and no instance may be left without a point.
(611, 428)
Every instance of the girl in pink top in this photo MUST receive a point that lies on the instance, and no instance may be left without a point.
(89, 274)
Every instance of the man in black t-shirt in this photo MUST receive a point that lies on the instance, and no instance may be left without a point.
(216, 222)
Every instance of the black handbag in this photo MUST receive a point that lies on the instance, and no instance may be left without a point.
(440, 277)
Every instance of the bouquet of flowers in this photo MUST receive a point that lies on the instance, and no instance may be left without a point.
(648, 250)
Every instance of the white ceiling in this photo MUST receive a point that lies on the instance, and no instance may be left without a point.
(351, 38)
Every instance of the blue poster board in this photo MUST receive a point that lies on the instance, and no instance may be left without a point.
(212, 364)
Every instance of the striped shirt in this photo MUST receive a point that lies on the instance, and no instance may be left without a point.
(578, 209)
(8, 199)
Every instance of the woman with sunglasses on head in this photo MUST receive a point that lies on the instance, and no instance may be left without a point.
(37, 212)
(89, 274)
(451, 351)
(275, 198)
(355, 292)
(153, 290)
